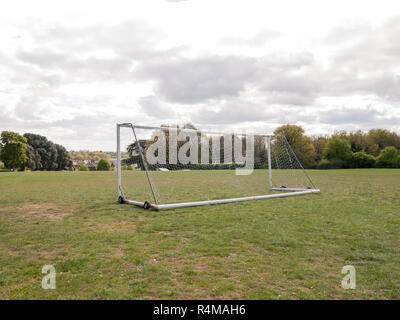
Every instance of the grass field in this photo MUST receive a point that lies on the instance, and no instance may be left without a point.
(288, 248)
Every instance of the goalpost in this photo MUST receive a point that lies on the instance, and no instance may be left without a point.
(174, 167)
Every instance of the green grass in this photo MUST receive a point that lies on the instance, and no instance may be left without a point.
(288, 248)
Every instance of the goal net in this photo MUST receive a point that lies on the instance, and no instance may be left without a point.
(171, 167)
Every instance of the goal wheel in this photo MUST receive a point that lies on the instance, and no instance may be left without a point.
(146, 205)
(121, 200)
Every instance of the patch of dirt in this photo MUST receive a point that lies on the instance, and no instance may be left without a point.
(50, 211)
(118, 253)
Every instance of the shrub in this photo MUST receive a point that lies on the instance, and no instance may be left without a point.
(337, 148)
(82, 167)
(130, 167)
(389, 158)
(331, 164)
(124, 167)
(103, 165)
(362, 160)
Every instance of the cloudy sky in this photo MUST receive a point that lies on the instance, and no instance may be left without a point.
(72, 69)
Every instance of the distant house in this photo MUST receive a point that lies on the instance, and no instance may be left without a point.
(91, 164)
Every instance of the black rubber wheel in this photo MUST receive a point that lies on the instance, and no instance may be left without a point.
(146, 205)
(121, 200)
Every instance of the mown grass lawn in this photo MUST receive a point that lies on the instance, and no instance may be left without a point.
(288, 248)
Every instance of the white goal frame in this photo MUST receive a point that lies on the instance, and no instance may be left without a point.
(290, 192)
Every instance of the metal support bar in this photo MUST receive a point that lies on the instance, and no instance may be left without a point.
(144, 165)
(221, 201)
(128, 125)
(269, 161)
(295, 189)
(119, 190)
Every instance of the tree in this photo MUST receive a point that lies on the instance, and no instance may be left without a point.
(362, 160)
(300, 143)
(46, 150)
(63, 159)
(134, 154)
(34, 161)
(389, 158)
(358, 141)
(337, 148)
(372, 148)
(319, 143)
(12, 149)
(82, 167)
(384, 138)
(260, 151)
(103, 165)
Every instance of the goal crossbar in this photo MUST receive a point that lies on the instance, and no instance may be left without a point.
(288, 191)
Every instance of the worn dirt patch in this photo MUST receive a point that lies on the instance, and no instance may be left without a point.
(118, 253)
(50, 211)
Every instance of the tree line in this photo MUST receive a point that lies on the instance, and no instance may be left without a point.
(375, 148)
(32, 151)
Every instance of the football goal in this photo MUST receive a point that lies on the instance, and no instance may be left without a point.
(172, 167)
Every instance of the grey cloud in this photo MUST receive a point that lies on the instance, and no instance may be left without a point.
(244, 110)
(72, 69)
(365, 61)
(195, 80)
(154, 107)
(365, 116)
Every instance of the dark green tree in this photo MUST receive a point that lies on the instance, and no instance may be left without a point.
(12, 150)
(134, 154)
(34, 161)
(46, 150)
(103, 165)
(63, 159)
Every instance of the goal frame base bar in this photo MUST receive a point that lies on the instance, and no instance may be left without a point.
(295, 192)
